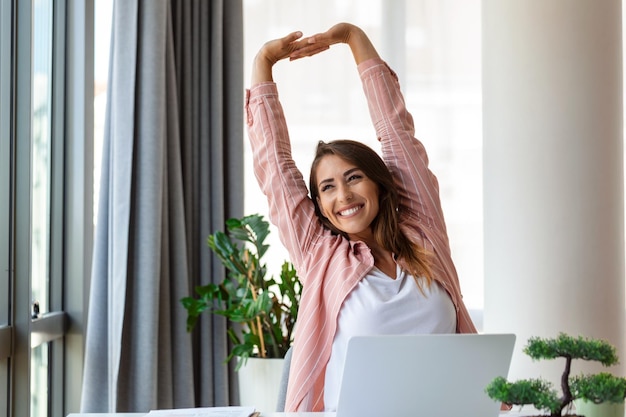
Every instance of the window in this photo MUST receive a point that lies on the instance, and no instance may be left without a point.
(434, 46)
(43, 243)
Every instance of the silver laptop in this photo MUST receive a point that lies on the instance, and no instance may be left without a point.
(423, 375)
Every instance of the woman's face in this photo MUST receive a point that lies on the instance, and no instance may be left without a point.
(347, 198)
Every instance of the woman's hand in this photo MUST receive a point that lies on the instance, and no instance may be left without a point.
(339, 33)
(294, 47)
(272, 52)
(350, 34)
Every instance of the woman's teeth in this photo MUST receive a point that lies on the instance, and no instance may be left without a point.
(350, 211)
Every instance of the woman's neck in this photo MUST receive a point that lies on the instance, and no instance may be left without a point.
(384, 260)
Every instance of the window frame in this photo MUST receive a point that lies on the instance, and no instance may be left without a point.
(6, 18)
(6, 332)
(78, 195)
(71, 207)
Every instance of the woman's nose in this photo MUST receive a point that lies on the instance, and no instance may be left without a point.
(345, 193)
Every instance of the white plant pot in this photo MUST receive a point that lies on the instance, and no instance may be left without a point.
(589, 409)
(259, 382)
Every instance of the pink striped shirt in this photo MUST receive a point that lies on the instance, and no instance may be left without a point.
(331, 266)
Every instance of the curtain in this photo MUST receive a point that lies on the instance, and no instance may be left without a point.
(172, 173)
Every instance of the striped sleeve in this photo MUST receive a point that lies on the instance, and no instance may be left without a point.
(404, 155)
(420, 206)
(290, 207)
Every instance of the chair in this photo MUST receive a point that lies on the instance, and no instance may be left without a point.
(284, 380)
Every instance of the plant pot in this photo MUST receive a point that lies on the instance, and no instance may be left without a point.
(589, 409)
(259, 381)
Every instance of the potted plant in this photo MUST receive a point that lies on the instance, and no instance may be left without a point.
(539, 393)
(261, 311)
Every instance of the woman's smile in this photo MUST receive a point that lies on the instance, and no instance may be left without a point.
(350, 211)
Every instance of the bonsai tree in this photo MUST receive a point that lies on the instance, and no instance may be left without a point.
(261, 311)
(541, 394)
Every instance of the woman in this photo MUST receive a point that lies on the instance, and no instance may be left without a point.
(370, 243)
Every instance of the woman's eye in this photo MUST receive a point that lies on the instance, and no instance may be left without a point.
(354, 177)
(325, 187)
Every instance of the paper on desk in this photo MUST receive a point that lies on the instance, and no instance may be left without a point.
(204, 412)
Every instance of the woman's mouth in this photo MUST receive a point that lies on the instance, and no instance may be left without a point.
(350, 211)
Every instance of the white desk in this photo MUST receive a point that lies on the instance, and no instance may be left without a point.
(262, 415)
(503, 414)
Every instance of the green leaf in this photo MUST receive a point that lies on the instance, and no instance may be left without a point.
(248, 293)
(575, 348)
(599, 388)
(534, 392)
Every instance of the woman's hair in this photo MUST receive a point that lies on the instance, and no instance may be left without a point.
(385, 225)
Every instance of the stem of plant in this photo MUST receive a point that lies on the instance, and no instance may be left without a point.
(567, 393)
(258, 322)
(262, 339)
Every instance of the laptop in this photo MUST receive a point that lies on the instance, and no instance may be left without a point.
(442, 375)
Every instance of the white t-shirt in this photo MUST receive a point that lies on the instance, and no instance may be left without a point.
(381, 305)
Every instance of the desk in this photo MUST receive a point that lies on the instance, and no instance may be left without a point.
(503, 414)
(262, 415)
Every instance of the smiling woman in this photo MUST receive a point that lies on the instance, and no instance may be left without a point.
(372, 223)
(434, 48)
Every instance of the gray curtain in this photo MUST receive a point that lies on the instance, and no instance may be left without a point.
(172, 173)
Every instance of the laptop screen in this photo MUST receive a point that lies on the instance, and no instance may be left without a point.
(442, 375)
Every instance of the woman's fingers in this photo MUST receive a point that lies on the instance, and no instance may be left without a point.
(322, 41)
(312, 45)
(280, 48)
(307, 50)
(293, 36)
(296, 47)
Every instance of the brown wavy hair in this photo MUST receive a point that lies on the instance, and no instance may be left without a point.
(385, 225)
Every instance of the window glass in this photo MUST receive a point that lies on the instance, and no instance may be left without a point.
(41, 153)
(102, 40)
(39, 381)
(41, 149)
(443, 93)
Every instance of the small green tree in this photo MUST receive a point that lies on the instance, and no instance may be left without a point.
(542, 395)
